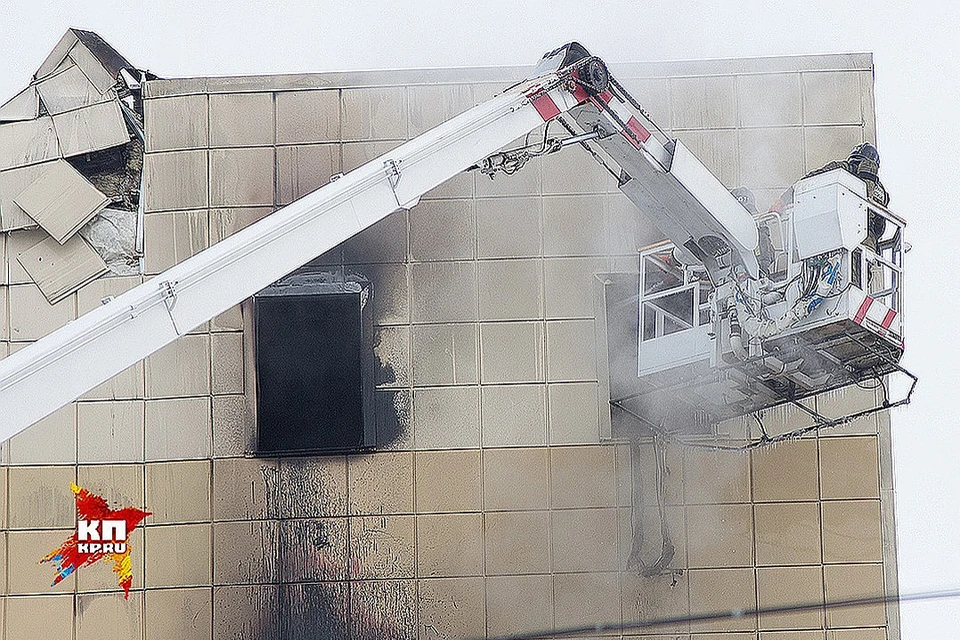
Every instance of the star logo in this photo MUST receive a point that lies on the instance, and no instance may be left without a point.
(102, 534)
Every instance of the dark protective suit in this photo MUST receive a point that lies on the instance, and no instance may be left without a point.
(866, 171)
(875, 189)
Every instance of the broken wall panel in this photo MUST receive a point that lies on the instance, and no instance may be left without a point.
(58, 55)
(17, 243)
(59, 270)
(70, 89)
(28, 142)
(12, 183)
(98, 60)
(23, 106)
(92, 68)
(61, 200)
(111, 60)
(92, 128)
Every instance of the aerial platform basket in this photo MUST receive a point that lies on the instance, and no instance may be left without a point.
(690, 377)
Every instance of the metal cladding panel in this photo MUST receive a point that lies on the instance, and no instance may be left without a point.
(92, 67)
(29, 142)
(106, 56)
(92, 128)
(23, 106)
(12, 182)
(61, 200)
(59, 53)
(68, 89)
(59, 270)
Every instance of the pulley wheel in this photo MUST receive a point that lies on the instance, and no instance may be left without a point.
(595, 77)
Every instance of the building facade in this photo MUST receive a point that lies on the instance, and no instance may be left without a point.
(495, 500)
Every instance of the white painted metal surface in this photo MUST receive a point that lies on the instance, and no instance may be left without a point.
(718, 211)
(54, 371)
(829, 213)
(677, 190)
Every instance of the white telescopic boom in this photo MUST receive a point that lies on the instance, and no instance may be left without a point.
(682, 196)
(62, 366)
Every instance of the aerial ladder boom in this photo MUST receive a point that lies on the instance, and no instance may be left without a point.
(707, 225)
(59, 368)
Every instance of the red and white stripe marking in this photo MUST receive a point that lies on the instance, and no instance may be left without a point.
(550, 104)
(877, 316)
(863, 310)
(639, 131)
(547, 105)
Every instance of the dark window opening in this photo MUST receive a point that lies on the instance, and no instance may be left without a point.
(313, 393)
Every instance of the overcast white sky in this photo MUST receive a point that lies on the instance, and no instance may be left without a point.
(916, 49)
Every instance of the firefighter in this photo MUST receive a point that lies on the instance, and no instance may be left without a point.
(746, 198)
(863, 162)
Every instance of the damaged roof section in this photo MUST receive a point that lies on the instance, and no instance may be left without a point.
(100, 62)
(67, 89)
(71, 145)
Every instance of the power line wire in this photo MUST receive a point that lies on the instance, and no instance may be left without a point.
(733, 614)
